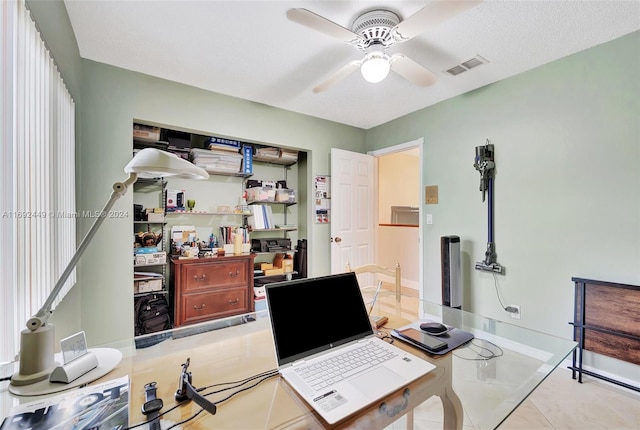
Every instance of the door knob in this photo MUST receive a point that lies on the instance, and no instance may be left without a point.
(338, 239)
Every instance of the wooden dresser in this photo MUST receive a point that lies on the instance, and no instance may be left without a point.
(208, 288)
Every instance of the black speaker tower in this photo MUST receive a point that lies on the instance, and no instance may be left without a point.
(451, 273)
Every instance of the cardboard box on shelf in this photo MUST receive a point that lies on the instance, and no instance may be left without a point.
(147, 286)
(146, 259)
(155, 217)
(270, 272)
(146, 132)
(266, 266)
(287, 265)
(174, 199)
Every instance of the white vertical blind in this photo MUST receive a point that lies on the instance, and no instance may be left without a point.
(37, 230)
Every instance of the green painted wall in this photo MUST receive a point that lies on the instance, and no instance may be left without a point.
(112, 99)
(567, 199)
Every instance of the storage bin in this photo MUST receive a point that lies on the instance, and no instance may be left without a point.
(285, 195)
(261, 194)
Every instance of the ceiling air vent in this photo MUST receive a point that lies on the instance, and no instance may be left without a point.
(466, 65)
(456, 70)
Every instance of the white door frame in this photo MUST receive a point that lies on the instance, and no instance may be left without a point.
(418, 143)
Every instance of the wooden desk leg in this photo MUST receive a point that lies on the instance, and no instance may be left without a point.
(453, 412)
(410, 420)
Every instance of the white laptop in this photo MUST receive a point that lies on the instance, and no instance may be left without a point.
(314, 321)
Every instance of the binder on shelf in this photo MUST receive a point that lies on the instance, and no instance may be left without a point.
(261, 218)
(266, 216)
(247, 160)
(269, 216)
(256, 220)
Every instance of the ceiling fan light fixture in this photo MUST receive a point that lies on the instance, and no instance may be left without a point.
(375, 67)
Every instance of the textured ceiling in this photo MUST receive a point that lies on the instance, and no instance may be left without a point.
(249, 49)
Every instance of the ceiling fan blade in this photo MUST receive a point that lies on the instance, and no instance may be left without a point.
(430, 16)
(345, 71)
(412, 71)
(316, 22)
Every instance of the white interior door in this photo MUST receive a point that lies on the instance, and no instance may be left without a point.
(353, 209)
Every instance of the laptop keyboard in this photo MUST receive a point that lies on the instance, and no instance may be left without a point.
(342, 366)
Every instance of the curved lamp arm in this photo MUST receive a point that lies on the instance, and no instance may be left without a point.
(37, 340)
(42, 316)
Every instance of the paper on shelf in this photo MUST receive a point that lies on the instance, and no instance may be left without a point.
(183, 233)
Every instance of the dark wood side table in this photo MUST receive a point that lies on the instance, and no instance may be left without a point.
(606, 321)
(204, 289)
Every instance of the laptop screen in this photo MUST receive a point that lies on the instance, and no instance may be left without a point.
(315, 314)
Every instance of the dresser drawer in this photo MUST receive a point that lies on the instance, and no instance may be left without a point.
(217, 304)
(219, 274)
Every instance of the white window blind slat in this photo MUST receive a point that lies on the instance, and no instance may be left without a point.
(38, 175)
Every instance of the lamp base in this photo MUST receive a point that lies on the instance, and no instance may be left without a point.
(36, 355)
(108, 359)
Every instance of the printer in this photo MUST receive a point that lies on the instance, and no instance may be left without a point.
(271, 245)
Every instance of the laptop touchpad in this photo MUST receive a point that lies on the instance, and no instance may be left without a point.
(377, 382)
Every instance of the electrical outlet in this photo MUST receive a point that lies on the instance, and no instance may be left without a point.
(515, 315)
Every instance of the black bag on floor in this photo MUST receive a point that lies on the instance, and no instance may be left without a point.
(300, 258)
(151, 314)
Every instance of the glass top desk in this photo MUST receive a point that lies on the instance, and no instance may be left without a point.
(479, 384)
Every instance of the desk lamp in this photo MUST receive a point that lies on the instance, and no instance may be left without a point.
(37, 341)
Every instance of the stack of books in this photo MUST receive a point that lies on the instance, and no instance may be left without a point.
(217, 161)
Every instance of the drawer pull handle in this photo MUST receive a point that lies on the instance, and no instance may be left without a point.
(234, 302)
(233, 275)
(200, 308)
(392, 411)
(200, 278)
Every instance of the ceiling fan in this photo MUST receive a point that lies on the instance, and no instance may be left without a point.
(376, 30)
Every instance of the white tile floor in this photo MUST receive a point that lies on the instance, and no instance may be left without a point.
(560, 402)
